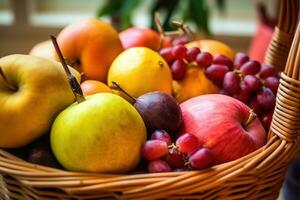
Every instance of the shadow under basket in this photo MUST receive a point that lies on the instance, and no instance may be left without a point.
(258, 175)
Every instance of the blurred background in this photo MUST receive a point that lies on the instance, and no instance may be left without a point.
(239, 23)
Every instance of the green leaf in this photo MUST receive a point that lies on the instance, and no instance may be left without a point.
(170, 11)
(199, 13)
(111, 7)
(126, 12)
(221, 5)
(169, 7)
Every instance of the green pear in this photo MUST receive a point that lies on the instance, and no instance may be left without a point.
(103, 133)
(33, 91)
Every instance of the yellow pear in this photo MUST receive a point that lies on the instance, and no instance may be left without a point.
(104, 133)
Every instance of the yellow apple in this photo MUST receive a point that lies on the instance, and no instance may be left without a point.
(33, 91)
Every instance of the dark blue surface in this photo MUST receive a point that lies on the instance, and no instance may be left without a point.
(291, 186)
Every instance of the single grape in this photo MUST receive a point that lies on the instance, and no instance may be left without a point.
(201, 159)
(178, 69)
(223, 60)
(166, 53)
(161, 135)
(154, 149)
(231, 82)
(216, 73)
(252, 82)
(240, 59)
(204, 59)
(179, 51)
(157, 166)
(192, 53)
(272, 82)
(187, 143)
(251, 67)
(180, 40)
(266, 119)
(175, 159)
(244, 95)
(267, 70)
(266, 99)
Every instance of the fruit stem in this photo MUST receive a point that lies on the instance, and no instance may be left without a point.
(72, 80)
(172, 148)
(187, 164)
(116, 86)
(10, 86)
(174, 33)
(251, 117)
(160, 30)
(185, 28)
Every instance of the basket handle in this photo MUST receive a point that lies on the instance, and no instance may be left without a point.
(286, 117)
(279, 47)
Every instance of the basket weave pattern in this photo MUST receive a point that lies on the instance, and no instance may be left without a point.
(258, 175)
(280, 44)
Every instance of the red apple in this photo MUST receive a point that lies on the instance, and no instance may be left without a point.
(142, 37)
(219, 122)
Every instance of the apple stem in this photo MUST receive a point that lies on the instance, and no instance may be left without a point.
(72, 80)
(116, 86)
(10, 86)
(251, 117)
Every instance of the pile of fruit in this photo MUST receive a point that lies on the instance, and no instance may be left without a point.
(95, 100)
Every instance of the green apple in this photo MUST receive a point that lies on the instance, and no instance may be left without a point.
(33, 91)
(104, 133)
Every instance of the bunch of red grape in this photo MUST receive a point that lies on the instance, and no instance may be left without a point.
(254, 84)
(244, 79)
(185, 154)
(178, 57)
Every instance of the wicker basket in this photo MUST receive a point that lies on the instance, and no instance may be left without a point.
(258, 175)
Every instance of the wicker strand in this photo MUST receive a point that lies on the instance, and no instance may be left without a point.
(287, 112)
(279, 46)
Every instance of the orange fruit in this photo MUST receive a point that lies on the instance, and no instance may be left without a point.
(92, 44)
(213, 47)
(90, 87)
(139, 70)
(194, 84)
